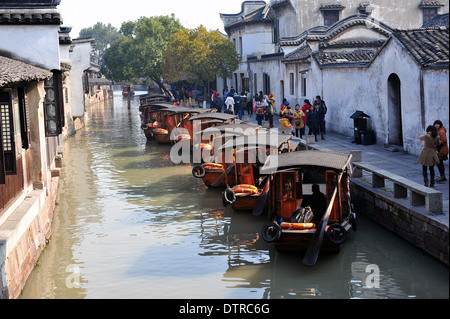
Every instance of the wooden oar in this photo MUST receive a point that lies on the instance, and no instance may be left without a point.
(222, 176)
(259, 208)
(313, 250)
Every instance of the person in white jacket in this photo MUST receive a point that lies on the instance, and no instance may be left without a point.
(230, 101)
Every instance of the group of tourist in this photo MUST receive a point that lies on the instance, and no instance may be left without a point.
(233, 103)
(309, 115)
(312, 116)
(434, 152)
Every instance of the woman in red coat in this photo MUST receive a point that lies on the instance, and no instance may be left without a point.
(305, 108)
(442, 149)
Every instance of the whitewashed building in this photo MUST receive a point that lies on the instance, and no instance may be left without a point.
(37, 81)
(354, 55)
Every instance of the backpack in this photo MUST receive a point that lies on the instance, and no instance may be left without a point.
(324, 108)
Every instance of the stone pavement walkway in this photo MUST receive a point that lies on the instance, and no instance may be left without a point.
(399, 163)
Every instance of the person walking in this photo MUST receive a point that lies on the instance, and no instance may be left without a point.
(238, 109)
(270, 109)
(442, 149)
(259, 113)
(319, 116)
(217, 103)
(229, 102)
(311, 122)
(323, 112)
(429, 157)
(299, 122)
(249, 103)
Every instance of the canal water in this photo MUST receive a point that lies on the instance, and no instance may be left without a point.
(131, 224)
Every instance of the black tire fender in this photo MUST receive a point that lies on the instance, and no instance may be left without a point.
(271, 232)
(198, 171)
(337, 234)
(228, 197)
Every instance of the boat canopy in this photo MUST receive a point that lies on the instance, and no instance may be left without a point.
(321, 159)
(158, 104)
(263, 138)
(215, 116)
(181, 109)
(231, 128)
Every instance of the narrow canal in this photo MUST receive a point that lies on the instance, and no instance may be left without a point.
(131, 224)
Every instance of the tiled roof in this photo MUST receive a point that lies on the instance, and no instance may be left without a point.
(259, 15)
(439, 20)
(356, 58)
(31, 17)
(323, 34)
(280, 3)
(12, 71)
(430, 4)
(301, 54)
(331, 6)
(354, 43)
(29, 3)
(429, 47)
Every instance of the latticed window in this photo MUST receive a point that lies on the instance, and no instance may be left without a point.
(7, 154)
(428, 14)
(53, 105)
(330, 17)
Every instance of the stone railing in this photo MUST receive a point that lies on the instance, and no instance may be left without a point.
(418, 194)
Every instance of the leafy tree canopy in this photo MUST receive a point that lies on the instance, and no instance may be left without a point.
(138, 53)
(199, 54)
(104, 34)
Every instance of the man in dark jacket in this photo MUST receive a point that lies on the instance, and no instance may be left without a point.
(320, 118)
(322, 111)
(238, 109)
(218, 103)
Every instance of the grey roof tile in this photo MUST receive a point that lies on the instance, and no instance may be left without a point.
(429, 47)
(12, 71)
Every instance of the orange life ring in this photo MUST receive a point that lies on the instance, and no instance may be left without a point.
(161, 131)
(206, 146)
(184, 137)
(212, 167)
(245, 189)
(298, 226)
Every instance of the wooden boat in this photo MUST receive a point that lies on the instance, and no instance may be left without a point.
(127, 90)
(212, 173)
(153, 118)
(151, 98)
(247, 188)
(205, 120)
(173, 119)
(300, 220)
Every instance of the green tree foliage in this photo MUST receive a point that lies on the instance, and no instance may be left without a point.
(104, 36)
(199, 55)
(138, 53)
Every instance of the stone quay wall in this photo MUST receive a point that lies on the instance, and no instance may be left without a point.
(415, 227)
(23, 237)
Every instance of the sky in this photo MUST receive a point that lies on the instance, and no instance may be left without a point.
(80, 14)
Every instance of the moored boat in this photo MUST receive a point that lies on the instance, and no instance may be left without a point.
(247, 190)
(127, 90)
(175, 122)
(309, 202)
(213, 174)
